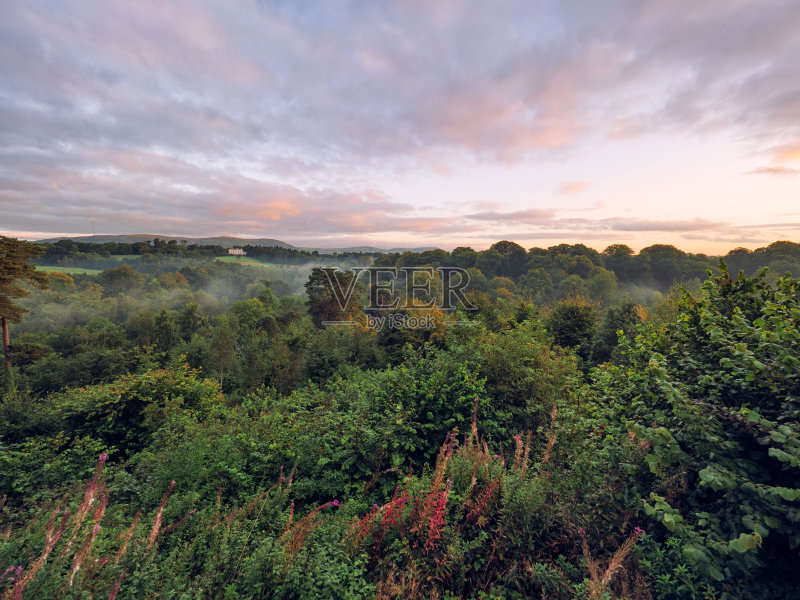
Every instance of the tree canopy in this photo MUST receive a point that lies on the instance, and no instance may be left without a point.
(15, 270)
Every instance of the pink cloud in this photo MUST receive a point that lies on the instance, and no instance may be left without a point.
(787, 154)
(775, 171)
(573, 187)
(531, 216)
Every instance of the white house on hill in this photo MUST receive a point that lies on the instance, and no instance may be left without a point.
(236, 251)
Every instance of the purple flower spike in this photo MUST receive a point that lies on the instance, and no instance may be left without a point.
(638, 531)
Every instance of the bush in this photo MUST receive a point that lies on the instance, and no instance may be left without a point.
(708, 411)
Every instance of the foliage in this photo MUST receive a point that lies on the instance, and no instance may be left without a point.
(119, 417)
(615, 322)
(572, 324)
(460, 530)
(15, 270)
(712, 404)
(333, 295)
(247, 453)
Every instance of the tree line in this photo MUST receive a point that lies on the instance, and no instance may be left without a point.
(212, 437)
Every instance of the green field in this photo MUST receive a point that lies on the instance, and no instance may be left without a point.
(243, 260)
(68, 270)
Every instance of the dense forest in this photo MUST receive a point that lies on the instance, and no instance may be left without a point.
(180, 423)
(72, 253)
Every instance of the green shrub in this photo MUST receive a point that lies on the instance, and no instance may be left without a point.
(708, 411)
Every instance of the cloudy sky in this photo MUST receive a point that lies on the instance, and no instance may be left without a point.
(404, 122)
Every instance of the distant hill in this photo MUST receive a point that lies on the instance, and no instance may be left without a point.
(224, 241)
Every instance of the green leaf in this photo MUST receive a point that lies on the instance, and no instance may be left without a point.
(706, 475)
(745, 542)
(715, 573)
(778, 437)
(695, 555)
(669, 522)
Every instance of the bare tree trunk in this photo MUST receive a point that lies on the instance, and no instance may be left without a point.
(6, 344)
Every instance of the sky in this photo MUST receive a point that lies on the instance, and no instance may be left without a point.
(404, 123)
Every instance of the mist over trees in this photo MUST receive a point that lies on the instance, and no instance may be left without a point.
(598, 424)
